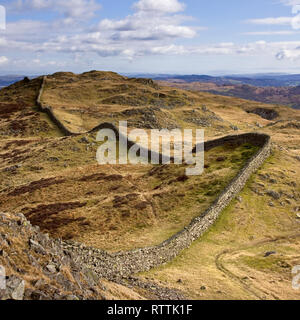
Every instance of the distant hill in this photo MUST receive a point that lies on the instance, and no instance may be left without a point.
(8, 80)
(259, 80)
(289, 95)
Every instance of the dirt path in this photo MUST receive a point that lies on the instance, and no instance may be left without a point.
(220, 263)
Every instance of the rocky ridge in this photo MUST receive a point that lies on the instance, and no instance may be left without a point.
(39, 268)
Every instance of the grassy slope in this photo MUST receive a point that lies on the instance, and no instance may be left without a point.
(228, 261)
(241, 227)
(60, 188)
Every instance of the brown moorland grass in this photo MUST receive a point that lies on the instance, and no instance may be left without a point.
(228, 261)
(117, 207)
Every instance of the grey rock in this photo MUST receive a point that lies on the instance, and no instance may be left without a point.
(53, 159)
(37, 247)
(273, 181)
(72, 297)
(38, 295)
(39, 283)
(269, 253)
(15, 288)
(18, 293)
(275, 195)
(84, 140)
(64, 282)
(239, 199)
(51, 268)
(90, 276)
(13, 168)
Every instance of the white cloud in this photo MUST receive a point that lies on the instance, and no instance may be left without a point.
(288, 50)
(289, 54)
(3, 60)
(170, 49)
(271, 33)
(293, 20)
(22, 28)
(165, 6)
(272, 21)
(154, 20)
(160, 32)
(290, 2)
(154, 28)
(104, 44)
(71, 9)
(257, 48)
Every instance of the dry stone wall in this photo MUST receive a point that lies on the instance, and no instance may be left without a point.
(49, 111)
(112, 265)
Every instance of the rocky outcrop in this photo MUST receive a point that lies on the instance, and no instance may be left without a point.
(35, 267)
(268, 114)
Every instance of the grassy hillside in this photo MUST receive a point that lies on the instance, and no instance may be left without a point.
(60, 188)
(57, 184)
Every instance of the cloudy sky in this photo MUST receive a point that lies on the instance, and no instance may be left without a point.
(150, 36)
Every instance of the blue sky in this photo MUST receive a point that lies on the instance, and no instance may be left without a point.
(151, 36)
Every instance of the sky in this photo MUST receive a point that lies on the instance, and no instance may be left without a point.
(150, 36)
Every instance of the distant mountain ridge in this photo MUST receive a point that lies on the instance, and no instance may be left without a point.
(258, 80)
(288, 95)
(268, 88)
(9, 79)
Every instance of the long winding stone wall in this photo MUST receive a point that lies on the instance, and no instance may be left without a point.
(112, 265)
(49, 111)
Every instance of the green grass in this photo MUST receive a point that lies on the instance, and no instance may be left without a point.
(271, 263)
